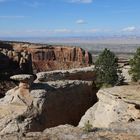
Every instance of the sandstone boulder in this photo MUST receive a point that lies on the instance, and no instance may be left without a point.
(116, 105)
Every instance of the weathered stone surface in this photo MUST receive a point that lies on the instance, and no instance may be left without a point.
(45, 105)
(115, 105)
(125, 73)
(131, 127)
(86, 73)
(68, 100)
(67, 132)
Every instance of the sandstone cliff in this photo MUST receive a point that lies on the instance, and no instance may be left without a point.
(42, 57)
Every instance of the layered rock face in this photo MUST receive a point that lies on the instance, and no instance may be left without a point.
(42, 57)
(58, 57)
(117, 107)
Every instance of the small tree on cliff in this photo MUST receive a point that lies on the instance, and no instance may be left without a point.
(106, 68)
(135, 66)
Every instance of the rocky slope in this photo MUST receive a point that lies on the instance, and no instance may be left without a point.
(117, 105)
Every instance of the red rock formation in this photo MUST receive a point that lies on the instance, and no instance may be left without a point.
(53, 58)
(47, 57)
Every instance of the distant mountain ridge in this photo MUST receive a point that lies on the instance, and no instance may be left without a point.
(116, 39)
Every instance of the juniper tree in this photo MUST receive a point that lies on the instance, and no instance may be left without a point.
(106, 68)
(135, 66)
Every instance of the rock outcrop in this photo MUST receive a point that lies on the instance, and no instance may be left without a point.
(39, 105)
(117, 105)
(125, 73)
(86, 73)
(14, 61)
(42, 57)
(58, 57)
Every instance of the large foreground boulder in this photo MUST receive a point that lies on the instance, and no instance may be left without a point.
(116, 106)
(36, 106)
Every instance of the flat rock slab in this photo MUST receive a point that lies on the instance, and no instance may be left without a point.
(23, 77)
(85, 73)
(130, 94)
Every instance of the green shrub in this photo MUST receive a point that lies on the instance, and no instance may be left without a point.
(135, 66)
(107, 71)
(87, 127)
(20, 118)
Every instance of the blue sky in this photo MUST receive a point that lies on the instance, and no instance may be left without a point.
(41, 18)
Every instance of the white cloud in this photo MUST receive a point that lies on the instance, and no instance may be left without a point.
(81, 1)
(129, 29)
(61, 31)
(81, 21)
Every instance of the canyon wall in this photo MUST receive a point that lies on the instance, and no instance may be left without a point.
(23, 57)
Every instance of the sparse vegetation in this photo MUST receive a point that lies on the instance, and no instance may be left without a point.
(87, 127)
(20, 118)
(135, 66)
(107, 70)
